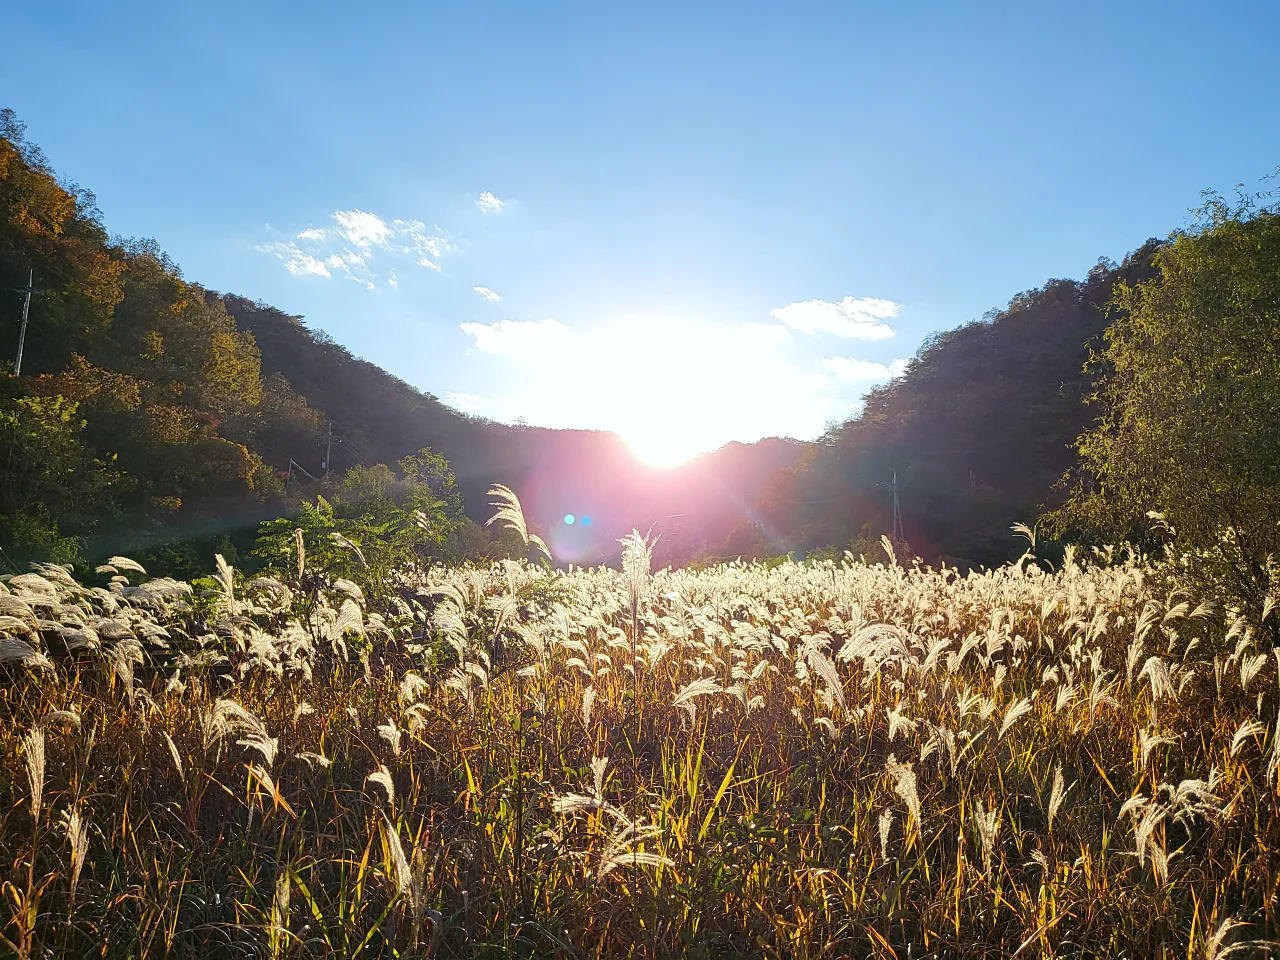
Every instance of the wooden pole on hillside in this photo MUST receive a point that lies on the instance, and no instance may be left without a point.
(26, 308)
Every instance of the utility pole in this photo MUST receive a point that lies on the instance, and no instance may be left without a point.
(328, 452)
(897, 512)
(26, 307)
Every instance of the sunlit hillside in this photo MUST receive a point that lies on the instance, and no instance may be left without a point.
(832, 759)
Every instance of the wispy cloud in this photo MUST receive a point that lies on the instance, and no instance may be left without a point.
(468, 402)
(487, 294)
(516, 338)
(860, 319)
(361, 246)
(853, 370)
(296, 261)
(488, 203)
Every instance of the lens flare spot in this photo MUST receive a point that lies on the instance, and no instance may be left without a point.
(570, 519)
(586, 521)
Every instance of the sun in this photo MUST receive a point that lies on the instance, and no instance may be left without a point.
(664, 444)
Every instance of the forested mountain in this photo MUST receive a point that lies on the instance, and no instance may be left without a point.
(978, 431)
(151, 411)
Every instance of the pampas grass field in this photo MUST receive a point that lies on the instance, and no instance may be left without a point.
(784, 759)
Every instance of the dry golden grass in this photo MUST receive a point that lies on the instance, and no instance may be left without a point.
(789, 760)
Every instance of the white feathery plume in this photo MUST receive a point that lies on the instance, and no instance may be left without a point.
(884, 825)
(382, 777)
(904, 785)
(1057, 794)
(391, 734)
(1011, 716)
(1250, 728)
(507, 511)
(987, 825)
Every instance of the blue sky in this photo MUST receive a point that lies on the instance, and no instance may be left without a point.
(704, 221)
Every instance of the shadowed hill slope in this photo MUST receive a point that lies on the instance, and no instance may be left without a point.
(978, 430)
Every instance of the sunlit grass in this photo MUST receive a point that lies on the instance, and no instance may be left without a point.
(789, 760)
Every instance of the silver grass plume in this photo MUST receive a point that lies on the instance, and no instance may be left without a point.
(637, 556)
(1057, 794)
(1250, 728)
(382, 777)
(884, 825)
(1250, 667)
(399, 862)
(173, 753)
(78, 839)
(904, 785)
(1148, 742)
(391, 734)
(265, 746)
(34, 743)
(824, 668)
(124, 563)
(280, 909)
(347, 544)
(1224, 943)
(225, 717)
(507, 511)
(1015, 712)
(898, 721)
(986, 824)
(14, 650)
(411, 687)
(703, 686)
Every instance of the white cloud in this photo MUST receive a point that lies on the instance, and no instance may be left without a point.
(527, 339)
(488, 203)
(854, 318)
(359, 227)
(297, 262)
(487, 294)
(413, 238)
(853, 370)
(362, 246)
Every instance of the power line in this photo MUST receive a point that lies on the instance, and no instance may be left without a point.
(295, 465)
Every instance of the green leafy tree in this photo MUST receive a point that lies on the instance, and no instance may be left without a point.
(1188, 397)
(374, 522)
(52, 489)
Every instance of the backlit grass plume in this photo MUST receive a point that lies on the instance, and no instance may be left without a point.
(508, 512)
